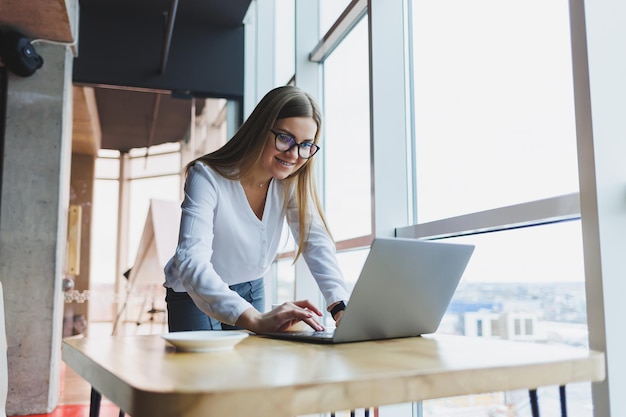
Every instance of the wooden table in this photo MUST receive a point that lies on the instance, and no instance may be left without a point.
(263, 377)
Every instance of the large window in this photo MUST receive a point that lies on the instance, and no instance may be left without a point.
(346, 143)
(494, 111)
(104, 236)
(494, 128)
(152, 174)
(345, 184)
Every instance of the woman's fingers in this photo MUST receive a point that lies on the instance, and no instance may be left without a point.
(314, 324)
(309, 306)
(288, 314)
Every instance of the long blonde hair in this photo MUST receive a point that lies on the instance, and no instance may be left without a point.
(236, 159)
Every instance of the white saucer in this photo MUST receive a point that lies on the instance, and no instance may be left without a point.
(205, 340)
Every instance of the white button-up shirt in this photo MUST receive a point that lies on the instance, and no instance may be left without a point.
(222, 242)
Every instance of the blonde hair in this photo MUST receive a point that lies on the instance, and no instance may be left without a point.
(236, 159)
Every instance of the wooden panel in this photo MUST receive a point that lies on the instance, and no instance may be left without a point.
(86, 131)
(38, 19)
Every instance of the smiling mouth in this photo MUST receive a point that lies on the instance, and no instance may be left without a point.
(285, 163)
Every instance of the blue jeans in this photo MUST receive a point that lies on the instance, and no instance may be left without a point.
(184, 315)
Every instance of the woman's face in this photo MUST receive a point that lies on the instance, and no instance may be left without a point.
(281, 164)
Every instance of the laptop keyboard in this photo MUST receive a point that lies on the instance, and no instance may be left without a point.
(322, 333)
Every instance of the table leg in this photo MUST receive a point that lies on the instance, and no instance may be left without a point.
(563, 401)
(94, 404)
(366, 413)
(534, 404)
(332, 414)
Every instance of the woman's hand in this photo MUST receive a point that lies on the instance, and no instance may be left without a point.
(281, 318)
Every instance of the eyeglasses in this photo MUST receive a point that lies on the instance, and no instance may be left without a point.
(285, 143)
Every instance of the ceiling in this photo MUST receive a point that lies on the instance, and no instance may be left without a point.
(141, 66)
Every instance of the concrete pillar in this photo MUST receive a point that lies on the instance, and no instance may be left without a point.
(33, 227)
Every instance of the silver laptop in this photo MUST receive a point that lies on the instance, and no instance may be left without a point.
(404, 290)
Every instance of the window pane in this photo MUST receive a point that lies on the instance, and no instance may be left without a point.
(284, 285)
(527, 285)
(285, 41)
(493, 96)
(330, 10)
(107, 168)
(103, 249)
(346, 142)
(167, 147)
(151, 165)
(351, 263)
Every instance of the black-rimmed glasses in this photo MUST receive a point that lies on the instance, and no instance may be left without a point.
(285, 143)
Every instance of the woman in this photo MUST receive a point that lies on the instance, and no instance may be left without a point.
(236, 201)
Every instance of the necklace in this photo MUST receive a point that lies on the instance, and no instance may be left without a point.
(258, 184)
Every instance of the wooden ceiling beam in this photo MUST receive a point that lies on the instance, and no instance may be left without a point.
(52, 20)
(86, 131)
